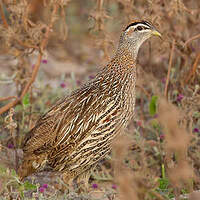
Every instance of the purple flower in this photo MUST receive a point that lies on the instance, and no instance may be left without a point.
(179, 97)
(42, 189)
(91, 77)
(44, 61)
(163, 80)
(10, 146)
(196, 130)
(33, 66)
(94, 186)
(139, 123)
(62, 85)
(45, 186)
(78, 82)
(114, 187)
(192, 48)
(155, 116)
(162, 136)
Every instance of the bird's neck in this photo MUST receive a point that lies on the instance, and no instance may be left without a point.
(123, 68)
(124, 60)
(129, 47)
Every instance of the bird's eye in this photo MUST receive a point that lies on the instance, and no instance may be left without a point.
(139, 28)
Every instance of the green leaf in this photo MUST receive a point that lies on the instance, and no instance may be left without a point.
(18, 108)
(155, 124)
(13, 172)
(2, 170)
(22, 193)
(153, 105)
(163, 170)
(21, 190)
(25, 100)
(29, 186)
(163, 183)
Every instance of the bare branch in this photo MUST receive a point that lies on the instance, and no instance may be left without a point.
(3, 16)
(192, 38)
(169, 68)
(7, 98)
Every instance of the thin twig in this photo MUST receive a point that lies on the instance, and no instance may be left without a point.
(3, 16)
(9, 105)
(169, 68)
(37, 65)
(145, 91)
(27, 45)
(7, 98)
(100, 10)
(193, 70)
(192, 38)
(157, 195)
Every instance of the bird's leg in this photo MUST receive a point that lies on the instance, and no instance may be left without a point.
(83, 181)
(68, 181)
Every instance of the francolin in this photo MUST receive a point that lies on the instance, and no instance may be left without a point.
(78, 130)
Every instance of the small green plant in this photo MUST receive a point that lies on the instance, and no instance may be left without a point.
(164, 184)
(11, 182)
(26, 100)
(153, 105)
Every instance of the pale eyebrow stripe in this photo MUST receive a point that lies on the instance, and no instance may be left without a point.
(144, 23)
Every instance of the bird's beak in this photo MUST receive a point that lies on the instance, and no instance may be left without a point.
(156, 33)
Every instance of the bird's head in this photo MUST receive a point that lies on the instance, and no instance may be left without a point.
(136, 33)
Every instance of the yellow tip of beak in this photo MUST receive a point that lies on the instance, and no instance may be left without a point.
(156, 33)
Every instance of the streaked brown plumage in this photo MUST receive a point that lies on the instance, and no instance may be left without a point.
(78, 130)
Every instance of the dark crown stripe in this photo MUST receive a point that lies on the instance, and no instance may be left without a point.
(136, 23)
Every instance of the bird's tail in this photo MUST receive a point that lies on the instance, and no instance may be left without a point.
(31, 164)
(26, 169)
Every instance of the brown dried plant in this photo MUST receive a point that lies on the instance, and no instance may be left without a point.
(176, 145)
(22, 37)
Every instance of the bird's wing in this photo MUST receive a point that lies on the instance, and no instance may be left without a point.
(94, 119)
(61, 123)
(41, 136)
(71, 120)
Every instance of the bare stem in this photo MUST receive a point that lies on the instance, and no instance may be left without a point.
(3, 15)
(7, 98)
(193, 70)
(192, 38)
(169, 68)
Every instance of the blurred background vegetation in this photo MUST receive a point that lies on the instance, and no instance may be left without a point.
(50, 47)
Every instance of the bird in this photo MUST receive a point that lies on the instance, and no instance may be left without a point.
(78, 130)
